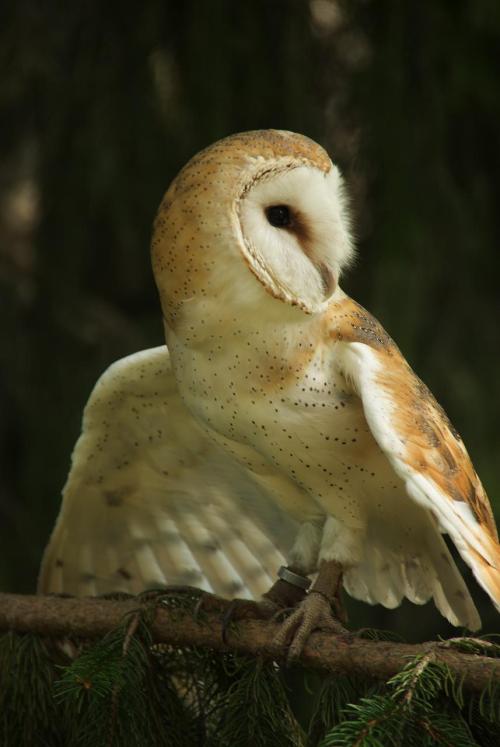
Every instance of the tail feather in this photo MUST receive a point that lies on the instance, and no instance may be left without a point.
(475, 540)
(385, 578)
(419, 580)
(451, 595)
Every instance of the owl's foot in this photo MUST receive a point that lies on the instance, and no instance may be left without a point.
(232, 610)
(284, 593)
(313, 613)
(281, 596)
(322, 609)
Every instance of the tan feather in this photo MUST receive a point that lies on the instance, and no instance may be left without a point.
(420, 442)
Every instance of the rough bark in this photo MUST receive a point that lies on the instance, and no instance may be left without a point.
(90, 618)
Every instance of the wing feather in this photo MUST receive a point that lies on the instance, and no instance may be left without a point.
(150, 500)
(427, 454)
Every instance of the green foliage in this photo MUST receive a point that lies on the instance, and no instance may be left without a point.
(116, 693)
(335, 695)
(256, 708)
(28, 711)
(424, 704)
(124, 690)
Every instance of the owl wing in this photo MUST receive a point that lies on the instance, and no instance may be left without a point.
(150, 500)
(422, 446)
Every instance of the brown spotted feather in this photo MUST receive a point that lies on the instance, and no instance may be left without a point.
(433, 444)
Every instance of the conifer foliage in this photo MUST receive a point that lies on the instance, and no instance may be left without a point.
(124, 689)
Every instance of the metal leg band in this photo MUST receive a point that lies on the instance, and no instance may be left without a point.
(295, 579)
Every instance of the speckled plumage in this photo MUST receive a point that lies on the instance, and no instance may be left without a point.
(297, 392)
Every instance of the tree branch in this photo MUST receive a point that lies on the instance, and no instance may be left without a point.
(91, 618)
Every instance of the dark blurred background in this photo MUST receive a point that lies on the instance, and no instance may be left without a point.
(102, 103)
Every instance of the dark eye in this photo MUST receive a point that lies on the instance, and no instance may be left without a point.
(279, 216)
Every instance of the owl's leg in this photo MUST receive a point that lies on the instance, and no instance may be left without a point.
(288, 591)
(315, 612)
(293, 581)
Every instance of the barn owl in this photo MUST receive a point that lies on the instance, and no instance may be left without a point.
(280, 427)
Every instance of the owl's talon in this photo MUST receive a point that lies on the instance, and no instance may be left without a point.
(314, 613)
(281, 614)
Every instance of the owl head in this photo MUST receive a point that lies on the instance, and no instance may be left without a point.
(257, 219)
